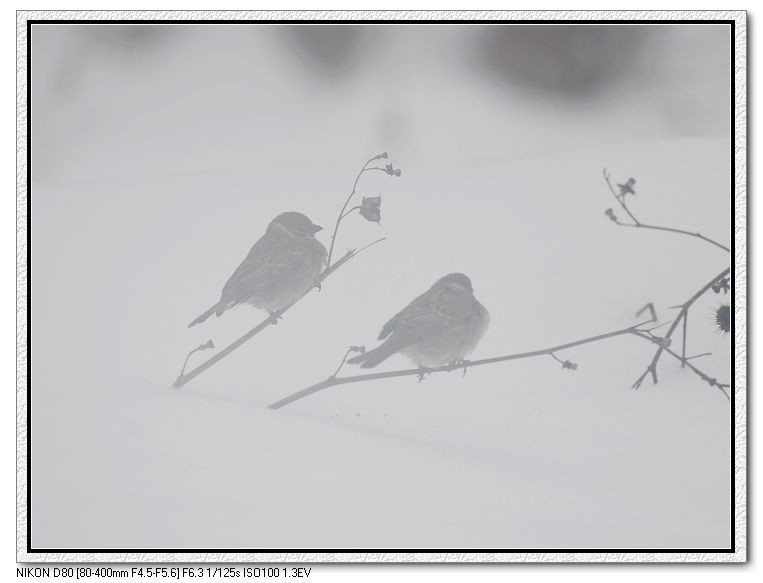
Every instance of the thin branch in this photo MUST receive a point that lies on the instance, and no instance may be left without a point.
(205, 346)
(652, 311)
(652, 368)
(334, 380)
(684, 361)
(659, 326)
(619, 200)
(272, 319)
(342, 213)
(350, 350)
(635, 330)
(355, 208)
(683, 348)
(699, 355)
(639, 224)
(556, 358)
(569, 365)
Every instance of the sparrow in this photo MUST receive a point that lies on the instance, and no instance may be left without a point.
(279, 268)
(439, 327)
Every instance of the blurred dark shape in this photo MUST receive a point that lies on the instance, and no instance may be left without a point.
(129, 39)
(723, 318)
(563, 60)
(334, 50)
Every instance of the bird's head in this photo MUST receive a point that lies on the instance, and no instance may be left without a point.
(293, 223)
(455, 282)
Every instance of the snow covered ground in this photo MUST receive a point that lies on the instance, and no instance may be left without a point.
(158, 163)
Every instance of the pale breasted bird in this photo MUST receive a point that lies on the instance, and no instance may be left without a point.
(279, 268)
(439, 327)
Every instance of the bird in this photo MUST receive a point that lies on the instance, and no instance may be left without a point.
(278, 270)
(441, 326)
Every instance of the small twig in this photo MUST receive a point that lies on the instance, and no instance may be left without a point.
(639, 224)
(559, 360)
(342, 213)
(650, 307)
(185, 378)
(350, 350)
(699, 355)
(207, 344)
(349, 211)
(683, 348)
(684, 361)
(652, 367)
(659, 326)
(334, 380)
(619, 200)
(569, 365)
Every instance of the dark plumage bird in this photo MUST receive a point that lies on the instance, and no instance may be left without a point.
(279, 268)
(439, 327)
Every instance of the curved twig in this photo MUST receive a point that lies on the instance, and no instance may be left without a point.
(639, 224)
(342, 213)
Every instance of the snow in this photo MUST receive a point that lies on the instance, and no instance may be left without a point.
(154, 172)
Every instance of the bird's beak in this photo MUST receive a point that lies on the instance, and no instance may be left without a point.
(317, 228)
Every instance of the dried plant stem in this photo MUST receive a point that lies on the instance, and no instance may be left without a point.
(333, 380)
(342, 212)
(639, 224)
(652, 368)
(684, 362)
(273, 318)
(636, 331)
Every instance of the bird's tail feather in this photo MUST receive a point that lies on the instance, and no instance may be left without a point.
(206, 315)
(379, 354)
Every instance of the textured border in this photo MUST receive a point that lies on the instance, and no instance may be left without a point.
(21, 285)
(740, 282)
(740, 290)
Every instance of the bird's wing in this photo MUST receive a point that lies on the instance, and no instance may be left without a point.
(419, 318)
(431, 313)
(267, 260)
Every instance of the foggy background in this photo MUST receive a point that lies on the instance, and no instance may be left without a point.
(160, 154)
